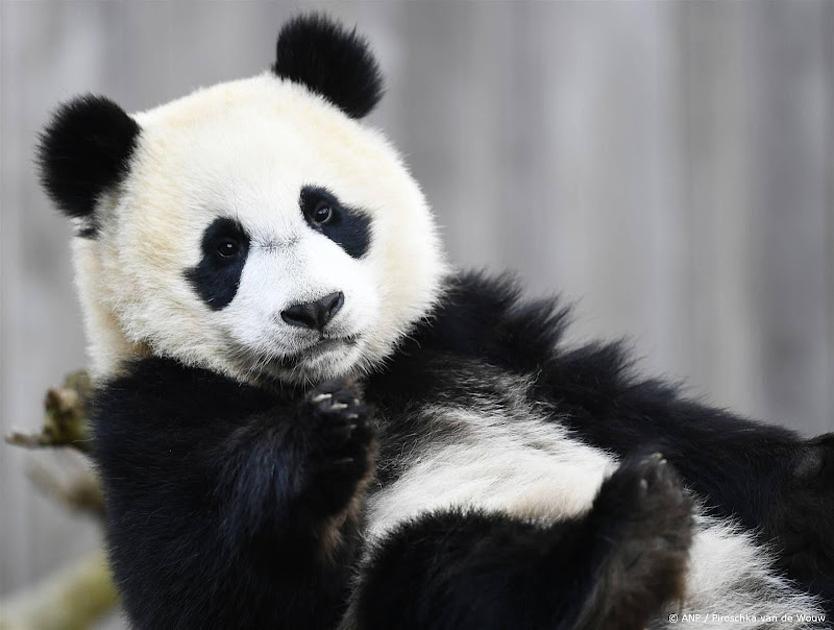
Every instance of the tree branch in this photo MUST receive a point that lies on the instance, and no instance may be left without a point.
(80, 493)
(65, 420)
(72, 598)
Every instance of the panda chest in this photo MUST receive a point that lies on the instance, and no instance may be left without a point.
(505, 457)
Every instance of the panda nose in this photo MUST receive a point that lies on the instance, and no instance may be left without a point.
(314, 315)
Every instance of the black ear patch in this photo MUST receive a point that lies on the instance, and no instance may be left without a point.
(331, 61)
(85, 150)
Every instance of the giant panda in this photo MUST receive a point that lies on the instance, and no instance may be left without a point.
(305, 418)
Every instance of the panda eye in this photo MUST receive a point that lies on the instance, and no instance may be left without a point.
(322, 213)
(228, 248)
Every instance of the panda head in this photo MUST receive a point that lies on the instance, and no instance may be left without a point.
(255, 227)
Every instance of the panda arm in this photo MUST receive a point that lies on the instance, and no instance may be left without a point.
(227, 506)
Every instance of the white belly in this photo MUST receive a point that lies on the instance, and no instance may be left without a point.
(524, 467)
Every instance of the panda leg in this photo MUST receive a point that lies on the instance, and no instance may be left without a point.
(610, 569)
(642, 526)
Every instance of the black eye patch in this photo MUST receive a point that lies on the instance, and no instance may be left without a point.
(348, 227)
(225, 246)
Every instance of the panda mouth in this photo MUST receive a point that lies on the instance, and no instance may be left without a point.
(318, 348)
(324, 344)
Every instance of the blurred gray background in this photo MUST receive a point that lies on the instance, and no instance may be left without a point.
(670, 166)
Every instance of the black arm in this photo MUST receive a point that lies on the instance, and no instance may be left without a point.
(228, 506)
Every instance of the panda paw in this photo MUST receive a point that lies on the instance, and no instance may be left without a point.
(644, 517)
(340, 442)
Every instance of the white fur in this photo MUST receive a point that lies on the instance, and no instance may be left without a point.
(245, 149)
(505, 460)
(731, 583)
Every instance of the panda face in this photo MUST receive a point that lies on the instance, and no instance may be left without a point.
(293, 299)
(254, 228)
(261, 233)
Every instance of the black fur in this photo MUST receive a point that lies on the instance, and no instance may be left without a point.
(217, 276)
(349, 228)
(245, 503)
(84, 151)
(609, 570)
(331, 61)
(229, 506)
(771, 480)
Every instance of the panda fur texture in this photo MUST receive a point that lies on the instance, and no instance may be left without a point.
(306, 419)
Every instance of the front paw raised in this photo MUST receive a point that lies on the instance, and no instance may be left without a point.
(341, 445)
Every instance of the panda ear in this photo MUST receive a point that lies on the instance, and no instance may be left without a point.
(84, 151)
(331, 61)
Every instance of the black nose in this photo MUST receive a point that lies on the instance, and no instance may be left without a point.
(314, 314)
